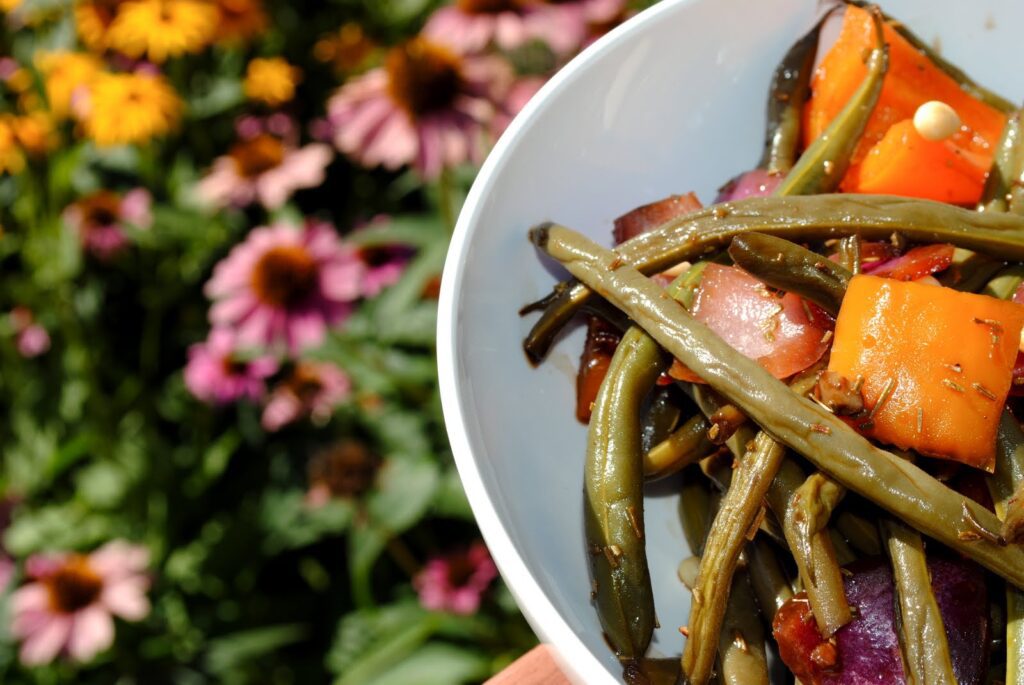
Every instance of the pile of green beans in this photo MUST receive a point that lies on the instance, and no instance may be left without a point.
(738, 512)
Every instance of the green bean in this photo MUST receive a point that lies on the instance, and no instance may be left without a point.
(1005, 283)
(741, 640)
(970, 271)
(1005, 167)
(790, 267)
(694, 508)
(661, 418)
(771, 587)
(651, 672)
(922, 634)
(861, 534)
(849, 254)
(897, 486)
(787, 94)
(966, 83)
(614, 496)
(738, 512)
(687, 445)
(807, 516)
(811, 217)
(824, 163)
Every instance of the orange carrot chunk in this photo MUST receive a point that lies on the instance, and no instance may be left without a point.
(936, 365)
(911, 81)
(905, 163)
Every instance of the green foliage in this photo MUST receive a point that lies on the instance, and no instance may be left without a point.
(267, 566)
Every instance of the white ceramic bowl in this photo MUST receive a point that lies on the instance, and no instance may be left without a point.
(669, 102)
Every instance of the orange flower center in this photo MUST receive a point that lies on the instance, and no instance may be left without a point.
(348, 469)
(285, 276)
(487, 6)
(257, 156)
(423, 77)
(106, 11)
(100, 209)
(74, 586)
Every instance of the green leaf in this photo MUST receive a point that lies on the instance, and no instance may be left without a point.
(215, 460)
(369, 641)
(222, 95)
(451, 499)
(227, 653)
(414, 230)
(290, 522)
(405, 488)
(56, 526)
(437, 664)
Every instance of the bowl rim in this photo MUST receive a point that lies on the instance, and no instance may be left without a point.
(540, 612)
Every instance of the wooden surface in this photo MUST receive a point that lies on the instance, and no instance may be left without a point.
(536, 667)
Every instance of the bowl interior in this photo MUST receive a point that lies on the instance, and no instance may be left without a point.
(672, 101)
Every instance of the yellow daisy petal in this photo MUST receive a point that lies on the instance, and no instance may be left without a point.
(64, 75)
(93, 19)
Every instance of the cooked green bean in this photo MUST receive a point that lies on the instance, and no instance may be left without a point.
(687, 445)
(922, 634)
(741, 654)
(661, 418)
(1006, 282)
(860, 533)
(825, 440)
(824, 163)
(694, 507)
(807, 516)
(736, 516)
(811, 217)
(614, 496)
(771, 587)
(1005, 166)
(849, 254)
(966, 83)
(787, 266)
(787, 94)
(970, 271)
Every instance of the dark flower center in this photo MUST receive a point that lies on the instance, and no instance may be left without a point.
(106, 11)
(234, 367)
(74, 586)
(460, 569)
(258, 155)
(347, 469)
(100, 209)
(285, 276)
(423, 77)
(487, 6)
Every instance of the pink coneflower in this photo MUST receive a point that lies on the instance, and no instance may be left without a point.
(313, 389)
(472, 25)
(518, 95)
(69, 604)
(30, 338)
(385, 265)
(100, 219)
(7, 566)
(264, 168)
(285, 285)
(426, 106)
(216, 374)
(588, 18)
(456, 582)
(345, 470)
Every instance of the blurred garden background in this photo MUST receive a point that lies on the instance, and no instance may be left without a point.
(222, 227)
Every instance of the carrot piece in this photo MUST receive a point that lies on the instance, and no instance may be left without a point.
(936, 365)
(911, 81)
(905, 163)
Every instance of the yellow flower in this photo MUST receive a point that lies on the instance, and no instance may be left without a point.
(130, 108)
(12, 160)
(64, 75)
(240, 20)
(9, 5)
(34, 132)
(93, 19)
(163, 28)
(270, 80)
(348, 48)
